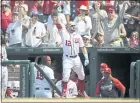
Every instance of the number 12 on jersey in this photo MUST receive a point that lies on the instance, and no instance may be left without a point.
(68, 43)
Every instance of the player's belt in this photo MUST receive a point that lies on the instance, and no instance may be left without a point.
(43, 88)
(71, 56)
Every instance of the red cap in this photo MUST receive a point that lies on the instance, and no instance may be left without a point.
(111, 8)
(48, 58)
(104, 65)
(107, 70)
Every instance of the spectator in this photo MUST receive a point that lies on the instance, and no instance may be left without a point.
(109, 3)
(66, 9)
(83, 22)
(37, 6)
(14, 31)
(131, 24)
(36, 32)
(99, 39)
(113, 28)
(138, 23)
(134, 39)
(97, 15)
(79, 3)
(53, 37)
(18, 5)
(5, 16)
(61, 16)
(87, 41)
(25, 20)
(48, 6)
(109, 87)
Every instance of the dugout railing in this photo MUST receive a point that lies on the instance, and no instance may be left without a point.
(27, 78)
(96, 56)
(135, 79)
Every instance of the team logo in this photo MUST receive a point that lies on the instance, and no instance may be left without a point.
(77, 40)
(106, 87)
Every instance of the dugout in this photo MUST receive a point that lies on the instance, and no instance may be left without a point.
(120, 65)
(118, 59)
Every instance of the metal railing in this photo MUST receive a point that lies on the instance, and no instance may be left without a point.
(135, 79)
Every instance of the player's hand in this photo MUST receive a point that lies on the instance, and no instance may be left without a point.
(86, 62)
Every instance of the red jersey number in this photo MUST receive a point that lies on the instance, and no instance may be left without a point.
(39, 76)
(68, 43)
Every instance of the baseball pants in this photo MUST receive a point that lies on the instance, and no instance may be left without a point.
(75, 64)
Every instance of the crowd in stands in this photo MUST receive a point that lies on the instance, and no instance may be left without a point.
(111, 23)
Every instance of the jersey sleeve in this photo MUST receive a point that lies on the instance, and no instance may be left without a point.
(119, 85)
(81, 43)
(50, 73)
(97, 91)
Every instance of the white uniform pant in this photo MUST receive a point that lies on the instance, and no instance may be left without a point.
(43, 93)
(75, 64)
(4, 80)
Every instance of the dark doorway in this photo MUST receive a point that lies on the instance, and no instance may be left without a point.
(120, 65)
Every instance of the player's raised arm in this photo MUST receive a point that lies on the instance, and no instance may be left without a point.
(85, 53)
(84, 50)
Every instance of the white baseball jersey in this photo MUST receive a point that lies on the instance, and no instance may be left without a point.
(14, 31)
(71, 88)
(71, 42)
(83, 27)
(37, 30)
(41, 83)
(4, 70)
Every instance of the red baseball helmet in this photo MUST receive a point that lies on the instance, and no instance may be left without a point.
(103, 65)
(107, 70)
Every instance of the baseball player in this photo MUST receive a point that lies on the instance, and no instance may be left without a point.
(3, 68)
(71, 91)
(43, 88)
(109, 86)
(71, 43)
(102, 67)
